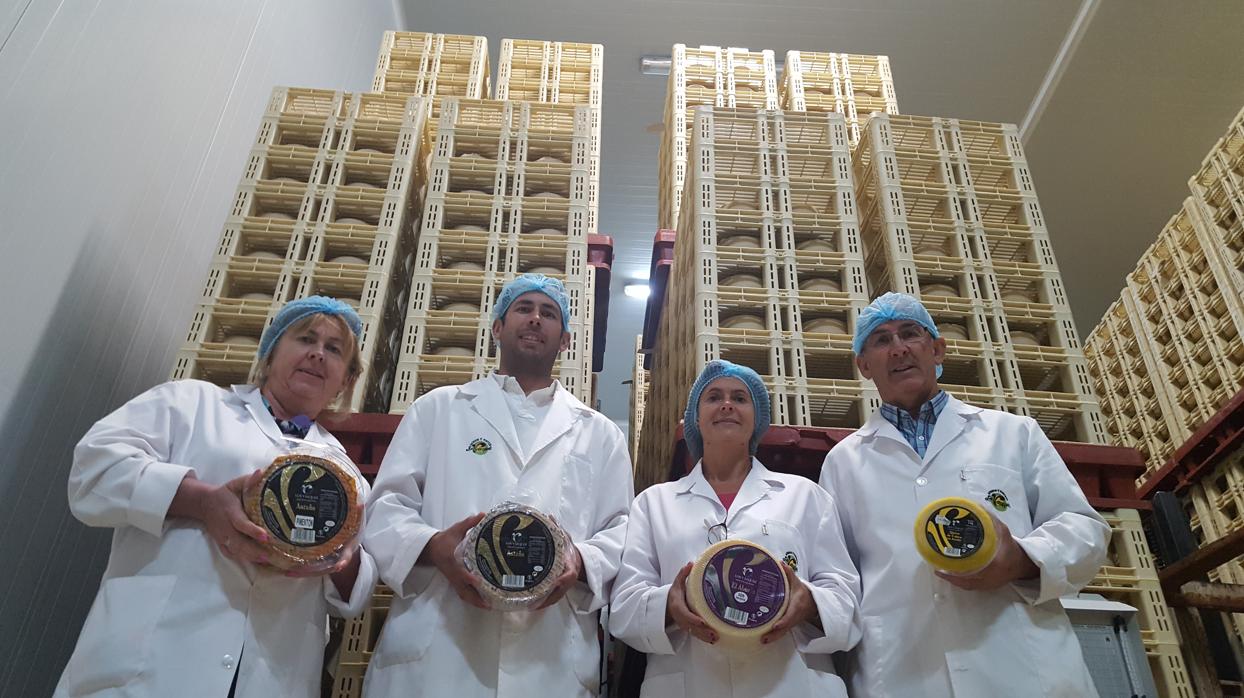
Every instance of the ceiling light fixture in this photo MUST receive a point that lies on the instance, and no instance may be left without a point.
(639, 290)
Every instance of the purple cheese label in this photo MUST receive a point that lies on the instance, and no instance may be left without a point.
(744, 586)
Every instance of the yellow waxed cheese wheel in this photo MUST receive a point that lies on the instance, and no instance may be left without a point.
(740, 590)
(956, 534)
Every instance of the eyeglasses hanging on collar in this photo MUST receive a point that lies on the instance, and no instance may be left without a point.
(717, 532)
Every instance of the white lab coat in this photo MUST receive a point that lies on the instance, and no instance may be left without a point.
(435, 645)
(787, 514)
(173, 614)
(926, 637)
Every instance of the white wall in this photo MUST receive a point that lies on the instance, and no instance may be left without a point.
(124, 130)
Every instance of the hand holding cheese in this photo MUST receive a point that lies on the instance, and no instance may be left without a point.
(679, 613)
(219, 507)
(440, 552)
(800, 609)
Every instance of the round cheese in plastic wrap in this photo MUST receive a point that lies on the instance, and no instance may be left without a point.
(310, 503)
(956, 534)
(740, 590)
(519, 552)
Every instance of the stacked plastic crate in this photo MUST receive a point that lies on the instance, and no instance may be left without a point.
(845, 83)
(639, 398)
(949, 215)
(705, 76)
(433, 65)
(512, 188)
(769, 273)
(325, 206)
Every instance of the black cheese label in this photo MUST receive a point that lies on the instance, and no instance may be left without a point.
(304, 504)
(954, 531)
(514, 551)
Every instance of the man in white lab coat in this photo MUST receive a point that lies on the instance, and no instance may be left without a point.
(516, 434)
(999, 631)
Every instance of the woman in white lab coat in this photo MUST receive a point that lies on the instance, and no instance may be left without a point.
(731, 494)
(187, 605)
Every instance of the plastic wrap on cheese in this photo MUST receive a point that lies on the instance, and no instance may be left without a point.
(519, 552)
(740, 590)
(310, 503)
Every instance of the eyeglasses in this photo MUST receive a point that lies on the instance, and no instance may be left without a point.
(716, 532)
(910, 335)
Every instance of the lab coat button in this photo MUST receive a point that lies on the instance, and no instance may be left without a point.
(922, 481)
(937, 596)
(227, 661)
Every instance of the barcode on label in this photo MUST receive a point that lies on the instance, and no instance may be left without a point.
(513, 581)
(302, 535)
(736, 616)
(304, 522)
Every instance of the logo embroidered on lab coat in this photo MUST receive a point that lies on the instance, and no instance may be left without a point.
(791, 560)
(480, 446)
(998, 499)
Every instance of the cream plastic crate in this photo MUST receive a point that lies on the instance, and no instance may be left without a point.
(639, 398)
(850, 84)
(550, 71)
(439, 65)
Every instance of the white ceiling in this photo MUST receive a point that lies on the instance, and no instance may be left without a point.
(1143, 90)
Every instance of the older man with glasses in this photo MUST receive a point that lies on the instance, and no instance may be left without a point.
(927, 632)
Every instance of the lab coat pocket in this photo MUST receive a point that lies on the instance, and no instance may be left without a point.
(575, 505)
(786, 543)
(116, 639)
(1001, 491)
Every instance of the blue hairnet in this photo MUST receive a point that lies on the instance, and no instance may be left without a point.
(301, 308)
(525, 283)
(886, 308)
(714, 370)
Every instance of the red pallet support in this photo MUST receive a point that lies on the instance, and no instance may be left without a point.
(600, 261)
(1107, 474)
(1222, 435)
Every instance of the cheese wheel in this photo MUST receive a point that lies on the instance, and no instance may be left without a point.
(286, 179)
(1017, 296)
(310, 505)
(548, 158)
(366, 150)
(547, 231)
(956, 534)
(348, 259)
(467, 266)
(950, 330)
(743, 322)
(740, 590)
(352, 221)
(454, 351)
(815, 245)
(739, 205)
(742, 281)
(460, 307)
(241, 339)
(473, 156)
(820, 284)
(363, 185)
(518, 552)
(263, 254)
(740, 241)
(931, 249)
(470, 228)
(1024, 339)
(256, 296)
(276, 215)
(544, 270)
(481, 192)
(827, 325)
(548, 195)
(938, 290)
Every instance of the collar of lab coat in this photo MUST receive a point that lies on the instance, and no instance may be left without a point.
(950, 424)
(488, 400)
(253, 399)
(758, 483)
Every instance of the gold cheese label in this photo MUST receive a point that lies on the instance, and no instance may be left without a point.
(303, 504)
(514, 551)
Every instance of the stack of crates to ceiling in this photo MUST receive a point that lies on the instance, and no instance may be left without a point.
(949, 215)
(706, 76)
(769, 273)
(326, 206)
(1130, 576)
(1125, 374)
(639, 398)
(1215, 507)
(510, 190)
(552, 72)
(845, 83)
(433, 65)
